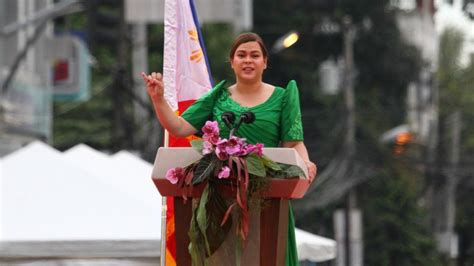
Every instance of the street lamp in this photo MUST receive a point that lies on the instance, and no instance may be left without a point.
(285, 41)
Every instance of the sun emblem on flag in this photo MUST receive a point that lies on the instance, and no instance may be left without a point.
(196, 55)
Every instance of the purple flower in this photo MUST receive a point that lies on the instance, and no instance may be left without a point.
(175, 174)
(211, 132)
(234, 146)
(207, 147)
(224, 172)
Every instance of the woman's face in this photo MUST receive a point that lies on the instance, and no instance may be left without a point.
(248, 62)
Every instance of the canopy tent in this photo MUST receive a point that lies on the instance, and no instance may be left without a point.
(314, 248)
(85, 202)
(122, 171)
(45, 196)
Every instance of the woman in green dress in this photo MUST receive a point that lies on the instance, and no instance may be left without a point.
(277, 111)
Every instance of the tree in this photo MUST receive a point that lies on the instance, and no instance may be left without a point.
(455, 86)
(385, 65)
(395, 225)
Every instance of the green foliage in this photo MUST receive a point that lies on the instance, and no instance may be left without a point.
(270, 163)
(217, 40)
(385, 66)
(85, 122)
(201, 218)
(395, 227)
(450, 72)
(286, 171)
(155, 47)
(456, 94)
(206, 233)
(205, 168)
(255, 165)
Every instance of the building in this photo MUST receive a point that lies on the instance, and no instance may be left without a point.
(25, 96)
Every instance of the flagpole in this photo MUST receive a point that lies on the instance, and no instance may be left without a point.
(164, 210)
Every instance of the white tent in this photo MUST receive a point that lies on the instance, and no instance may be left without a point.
(45, 196)
(313, 247)
(85, 203)
(124, 172)
(59, 211)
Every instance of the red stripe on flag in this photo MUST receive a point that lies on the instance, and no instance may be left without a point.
(181, 142)
(170, 219)
(170, 232)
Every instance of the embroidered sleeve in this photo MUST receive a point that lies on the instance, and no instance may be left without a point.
(291, 126)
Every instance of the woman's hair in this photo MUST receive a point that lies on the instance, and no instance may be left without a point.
(248, 37)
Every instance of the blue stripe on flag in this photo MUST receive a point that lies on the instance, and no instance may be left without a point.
(201, 40)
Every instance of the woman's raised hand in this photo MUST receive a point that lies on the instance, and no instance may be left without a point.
(154, 85)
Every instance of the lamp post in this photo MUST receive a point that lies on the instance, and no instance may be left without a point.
(285, 41)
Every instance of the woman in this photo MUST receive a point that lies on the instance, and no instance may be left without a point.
(277, 111)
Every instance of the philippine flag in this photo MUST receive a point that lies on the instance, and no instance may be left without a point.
(186, 77)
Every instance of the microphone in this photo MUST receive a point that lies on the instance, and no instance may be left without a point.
(228, 118)
(246, 117)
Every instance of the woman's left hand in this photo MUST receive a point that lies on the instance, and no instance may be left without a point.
(312, 170)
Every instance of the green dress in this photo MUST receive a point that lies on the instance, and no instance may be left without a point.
(277, 119)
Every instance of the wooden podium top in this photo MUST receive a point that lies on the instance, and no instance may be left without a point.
(168, 158)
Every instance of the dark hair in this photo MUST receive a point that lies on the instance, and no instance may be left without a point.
(248, 37)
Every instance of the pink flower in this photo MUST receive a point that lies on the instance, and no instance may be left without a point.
(224, 172)
(211, 127)
(211, 138)
(175, 174)
(207, 147)
(220, 150)
(211, 132)
(234, 145)
(258, 148)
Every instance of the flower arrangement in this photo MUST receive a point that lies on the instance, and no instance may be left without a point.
(233, 162)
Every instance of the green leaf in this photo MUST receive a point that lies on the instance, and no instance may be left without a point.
(287, 171)
(205, 232)
(270, 163)
(197, 145)
(204, 170)
(196, 245)
(202, 217)
(255, 165)
(216, 208)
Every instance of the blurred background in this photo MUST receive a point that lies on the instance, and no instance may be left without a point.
(387, 99)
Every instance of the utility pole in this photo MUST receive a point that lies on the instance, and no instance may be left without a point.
(122, 127)
(445, 218)
(139, 64)
(353, 239)
(347, 223)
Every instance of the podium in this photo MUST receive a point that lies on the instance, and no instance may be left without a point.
(266, 243)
